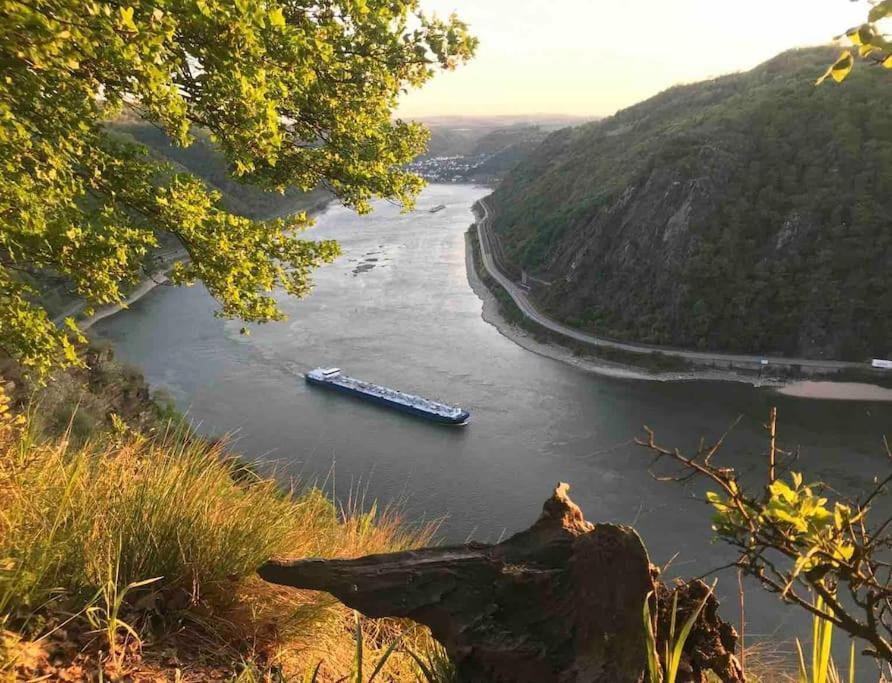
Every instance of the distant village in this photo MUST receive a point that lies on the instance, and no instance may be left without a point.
(447, 169)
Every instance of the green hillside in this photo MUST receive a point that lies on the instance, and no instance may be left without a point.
(503, 149)
(202, 159)
(750, 212)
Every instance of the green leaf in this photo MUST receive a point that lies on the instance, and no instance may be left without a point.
(650, 643)
(383, 660)
(313, 674)
(679, 643)
(803, 671)
(276, 18)
(126, 19)
(357, 656)
(426, 671)
(862, 35)
(839, 69)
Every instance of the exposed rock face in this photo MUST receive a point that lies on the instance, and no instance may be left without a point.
(742, 214)
(558, 603)
(83, 399)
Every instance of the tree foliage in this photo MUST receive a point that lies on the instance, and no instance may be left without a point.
(802, 542)
(868, 40)
(295, 94)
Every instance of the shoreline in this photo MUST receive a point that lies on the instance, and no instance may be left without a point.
(144, 286)
(138, 293)
(154, 280)
(492, 314)
(806, 389)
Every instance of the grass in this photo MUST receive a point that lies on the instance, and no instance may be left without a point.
(126, 554)
(823, 668)
(665, 669)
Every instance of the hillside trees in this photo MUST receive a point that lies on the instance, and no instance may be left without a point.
(294, 94)
(747, 213)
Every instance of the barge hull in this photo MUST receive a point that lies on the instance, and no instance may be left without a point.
(461, 419)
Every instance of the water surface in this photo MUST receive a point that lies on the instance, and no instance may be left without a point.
(397, 309)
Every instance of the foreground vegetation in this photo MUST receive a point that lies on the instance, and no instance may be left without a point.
(814, 549)
(135, 556)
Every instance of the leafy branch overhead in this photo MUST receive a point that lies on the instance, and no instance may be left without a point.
(295, 94)
(868, 40)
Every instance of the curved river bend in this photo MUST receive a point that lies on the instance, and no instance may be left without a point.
(397, 309)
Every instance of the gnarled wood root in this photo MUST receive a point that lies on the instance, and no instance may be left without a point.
(558, 603)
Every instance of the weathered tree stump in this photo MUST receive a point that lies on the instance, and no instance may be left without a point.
(558, 603)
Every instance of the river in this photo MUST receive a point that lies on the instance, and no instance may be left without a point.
(397, 309)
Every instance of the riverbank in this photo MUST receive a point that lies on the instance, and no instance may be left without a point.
(314, 207)
(159, 277)
(138, 293)
(493, 313)
(542, 343)
(837, 391)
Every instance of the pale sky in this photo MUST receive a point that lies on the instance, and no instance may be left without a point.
(592, 57)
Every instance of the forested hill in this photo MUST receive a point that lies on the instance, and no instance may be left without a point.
(204, 160)
(752, 212)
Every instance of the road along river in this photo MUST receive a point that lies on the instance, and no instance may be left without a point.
(397, 309)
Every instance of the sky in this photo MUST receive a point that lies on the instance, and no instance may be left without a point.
(593, 57)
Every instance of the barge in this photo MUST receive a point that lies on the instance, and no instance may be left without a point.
(333, 378)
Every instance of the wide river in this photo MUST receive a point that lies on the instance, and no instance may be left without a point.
(397, 309)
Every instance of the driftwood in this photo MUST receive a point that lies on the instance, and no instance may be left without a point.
(560, 602)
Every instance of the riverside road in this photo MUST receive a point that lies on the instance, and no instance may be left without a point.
(703, 358)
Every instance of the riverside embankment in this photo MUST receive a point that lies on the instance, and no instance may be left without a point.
(630, 359)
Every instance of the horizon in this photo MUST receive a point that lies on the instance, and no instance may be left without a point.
(608, 73)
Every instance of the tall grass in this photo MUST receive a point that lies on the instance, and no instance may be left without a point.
(184, 514)
(665, 670)
(823, 668)
(432, 667)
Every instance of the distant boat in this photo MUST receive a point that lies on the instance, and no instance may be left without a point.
(333, 378)
(438, 207)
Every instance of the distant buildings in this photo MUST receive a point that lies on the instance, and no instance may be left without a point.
(454, 169)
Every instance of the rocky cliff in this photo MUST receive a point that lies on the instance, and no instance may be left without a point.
(750, 213)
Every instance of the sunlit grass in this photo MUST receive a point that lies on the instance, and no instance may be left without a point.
(823, 668)
(184, 513)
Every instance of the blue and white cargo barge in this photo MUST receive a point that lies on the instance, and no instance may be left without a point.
(333, 378)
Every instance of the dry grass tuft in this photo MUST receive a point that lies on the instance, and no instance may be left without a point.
(138, 556)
